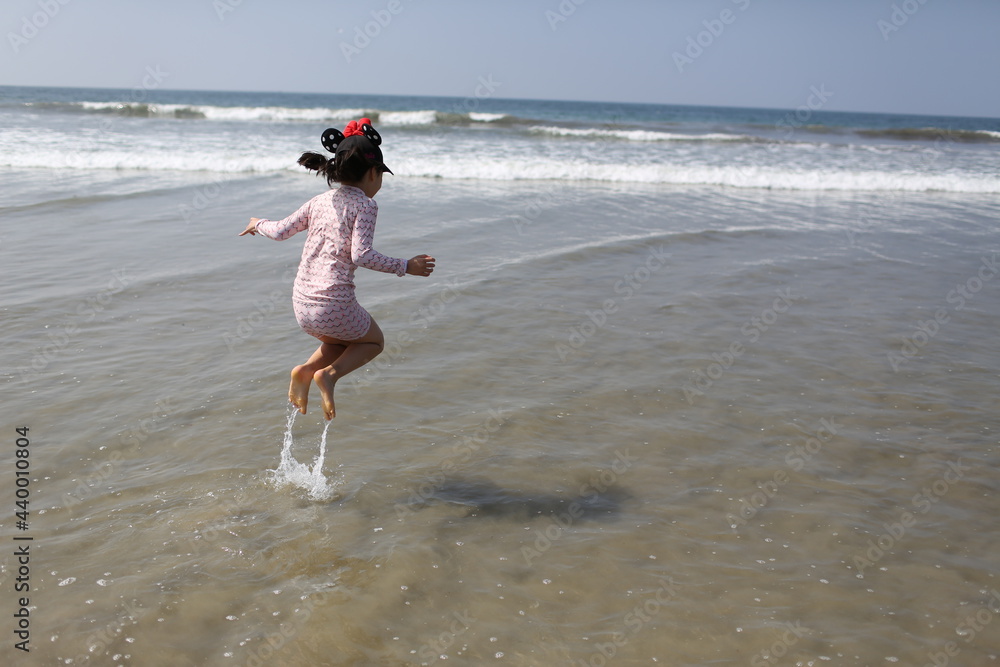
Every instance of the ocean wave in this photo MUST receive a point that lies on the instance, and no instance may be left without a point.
(428, 117)
(637, 135)
(122, 160)
(481, 117)
(551, 169)
(272, 114)
(425, 117)
(736, 177)
(933, 134)
(208, 112)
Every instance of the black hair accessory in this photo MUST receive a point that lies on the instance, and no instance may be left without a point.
(336, 141)
(331, 139)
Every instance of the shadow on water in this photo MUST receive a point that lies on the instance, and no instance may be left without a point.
(484, 498)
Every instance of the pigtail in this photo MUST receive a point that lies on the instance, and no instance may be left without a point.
(320, 164)
(313, 161)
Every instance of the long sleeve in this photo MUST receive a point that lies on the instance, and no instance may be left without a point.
(279, 230)
(362, 252)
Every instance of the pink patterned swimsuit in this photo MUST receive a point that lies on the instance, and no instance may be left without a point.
(341, 228)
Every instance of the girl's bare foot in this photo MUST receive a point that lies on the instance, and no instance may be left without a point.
(326, 379)
(298, 390)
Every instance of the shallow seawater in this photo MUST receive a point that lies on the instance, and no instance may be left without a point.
(620, 424)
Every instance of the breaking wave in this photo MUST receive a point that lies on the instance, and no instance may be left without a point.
(500, 169)
(270, 114)
(933, 134)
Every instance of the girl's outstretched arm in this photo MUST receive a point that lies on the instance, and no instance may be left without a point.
(279, 230)
(251, 227)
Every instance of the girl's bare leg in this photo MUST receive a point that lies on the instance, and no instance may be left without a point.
(298, 390)
(356, 354)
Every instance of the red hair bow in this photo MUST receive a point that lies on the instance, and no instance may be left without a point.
(355, 127)
(332, 137)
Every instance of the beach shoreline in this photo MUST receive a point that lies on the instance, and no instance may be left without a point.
(621, 421)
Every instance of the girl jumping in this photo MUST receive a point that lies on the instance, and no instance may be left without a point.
(341, 229)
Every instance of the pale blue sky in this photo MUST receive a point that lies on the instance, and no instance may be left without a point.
(899, 56)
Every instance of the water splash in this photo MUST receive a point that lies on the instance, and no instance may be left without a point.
(291, 472)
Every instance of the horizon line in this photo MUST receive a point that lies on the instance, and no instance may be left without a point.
(513, 99)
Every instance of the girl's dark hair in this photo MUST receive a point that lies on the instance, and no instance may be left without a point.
(349, 166)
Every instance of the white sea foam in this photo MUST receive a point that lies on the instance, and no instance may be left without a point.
(282, 114)
(603, 154)
(500, 169)
(277, 113)
(738, 177)
(425, 117)
(487, 117)
(290, 472)
(236, 113)
(634, 135)
(119, 159)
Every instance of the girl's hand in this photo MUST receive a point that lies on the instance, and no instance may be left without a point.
(421, 265)
(251, 228)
